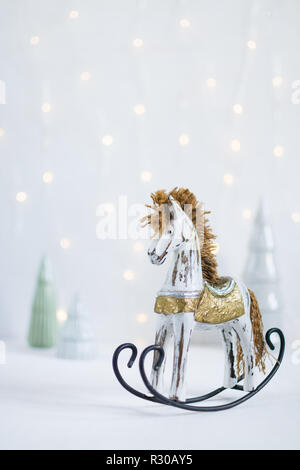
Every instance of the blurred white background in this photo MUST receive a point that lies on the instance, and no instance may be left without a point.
(74, 72)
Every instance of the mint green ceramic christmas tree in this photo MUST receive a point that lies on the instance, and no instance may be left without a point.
(43, 327)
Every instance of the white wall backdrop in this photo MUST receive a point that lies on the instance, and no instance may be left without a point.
(86, 65)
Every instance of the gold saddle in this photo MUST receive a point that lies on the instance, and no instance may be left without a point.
(217, 303)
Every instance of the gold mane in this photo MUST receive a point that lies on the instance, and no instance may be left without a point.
(185, 197)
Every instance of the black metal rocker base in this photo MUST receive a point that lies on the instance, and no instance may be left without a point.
(186, 405)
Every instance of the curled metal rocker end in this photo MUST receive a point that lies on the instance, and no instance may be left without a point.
(270, 343)
(133, 353)
(129, 364)
(161, 355)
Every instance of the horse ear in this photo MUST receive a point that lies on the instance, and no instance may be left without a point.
(176, 207)
(188, 226)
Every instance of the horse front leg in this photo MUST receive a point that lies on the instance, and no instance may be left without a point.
(183, 324)
(162, 337)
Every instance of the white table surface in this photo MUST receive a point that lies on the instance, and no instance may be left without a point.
(49, 403)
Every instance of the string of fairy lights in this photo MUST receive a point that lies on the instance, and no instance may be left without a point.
(146, 176)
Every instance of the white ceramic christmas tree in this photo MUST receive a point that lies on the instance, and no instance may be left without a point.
(43, 326)
(261, 274)
(77, 339)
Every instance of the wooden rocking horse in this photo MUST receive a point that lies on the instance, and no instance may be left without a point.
(194, 296)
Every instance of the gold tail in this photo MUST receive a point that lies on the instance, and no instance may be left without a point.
(258, 339)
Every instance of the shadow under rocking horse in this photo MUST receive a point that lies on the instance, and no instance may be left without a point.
(194, 296)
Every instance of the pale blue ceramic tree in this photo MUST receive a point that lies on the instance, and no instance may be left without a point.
(77, 338)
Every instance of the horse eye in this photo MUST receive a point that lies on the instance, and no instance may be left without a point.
(170, 231)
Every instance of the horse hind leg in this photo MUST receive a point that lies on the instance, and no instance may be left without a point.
(243, 329)
(230, 348)
(162, 336)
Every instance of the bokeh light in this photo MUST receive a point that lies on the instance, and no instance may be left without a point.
(21, 196)
(235, 145)
(228, 179)
(184, 139)
(107, 140)
(278, 151)
(61, 315)
(65, 243)
(46, 107)
(139, 109)
(146, 176)
(48, 177)
(238, 108)
(128, 275)
(251, 44)
(211, 82)
(184, 23)
(34, 40)
(142, 318)
(138, 42)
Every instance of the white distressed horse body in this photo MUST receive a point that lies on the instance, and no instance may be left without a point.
(185, 280)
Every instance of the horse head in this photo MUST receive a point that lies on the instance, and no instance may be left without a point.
(175, 230)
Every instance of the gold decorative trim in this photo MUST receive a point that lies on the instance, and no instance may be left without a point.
(210, 307)
(168, 305)
(215, 309)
